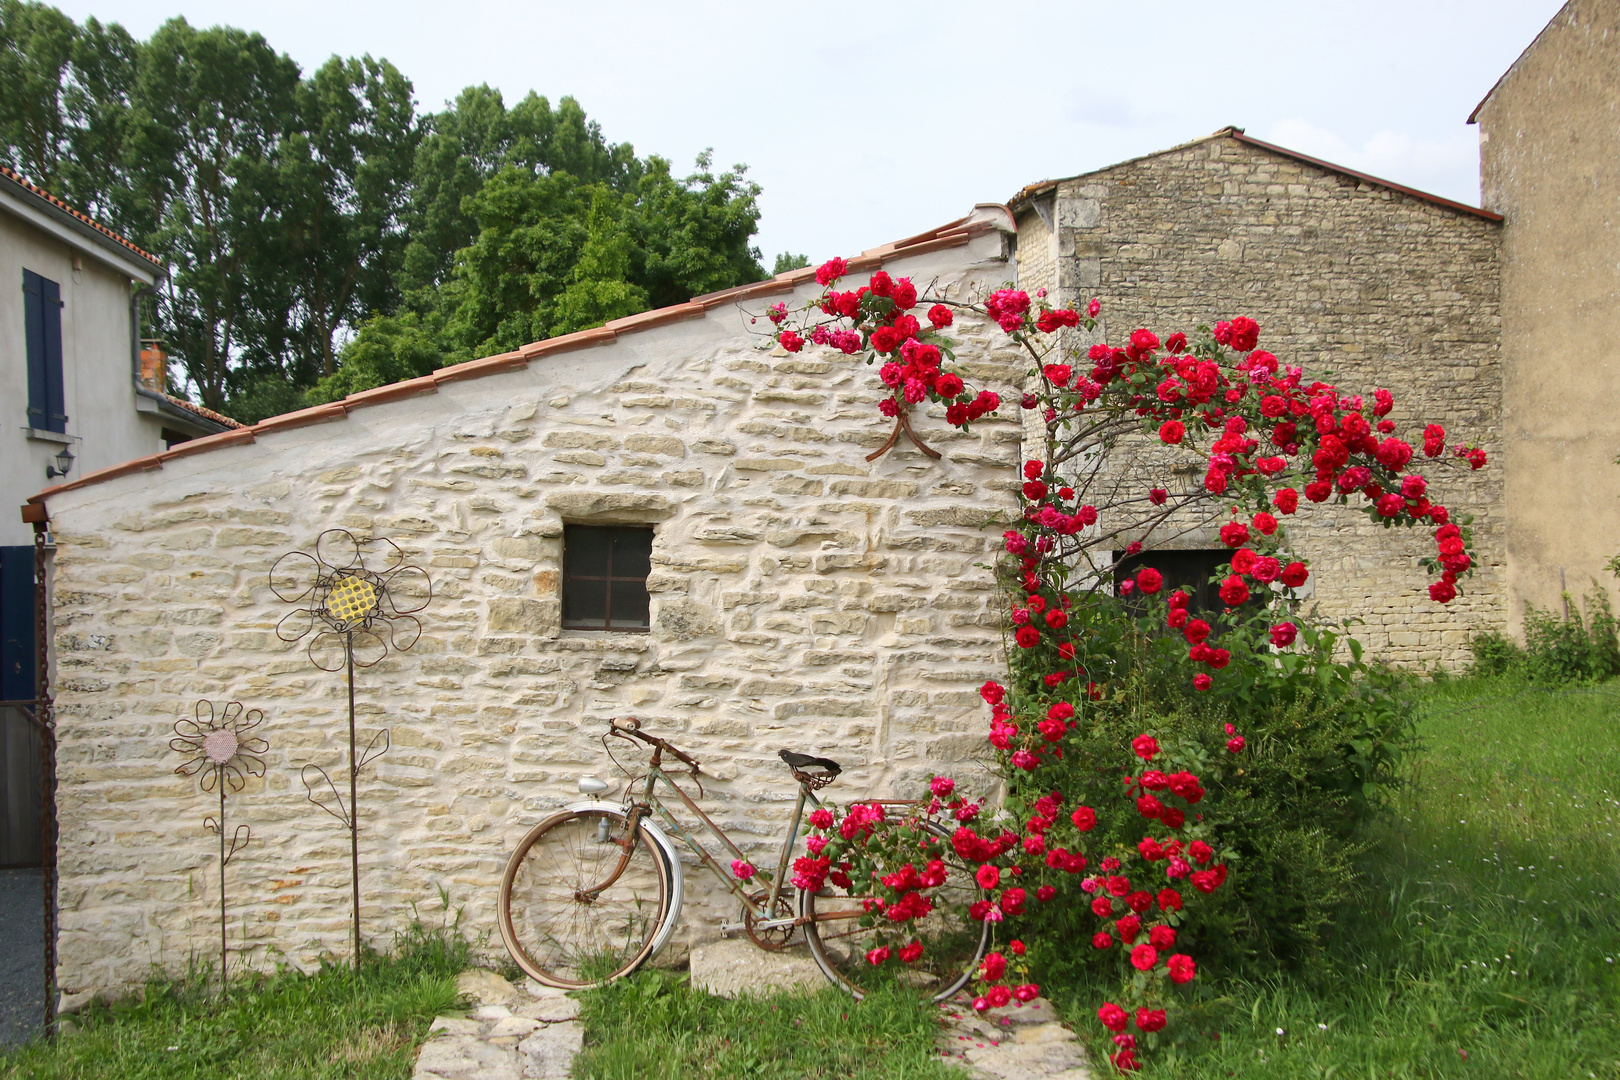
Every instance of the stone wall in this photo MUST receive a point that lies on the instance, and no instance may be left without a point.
(1360, 284)
(802, 598)
(1550, 163)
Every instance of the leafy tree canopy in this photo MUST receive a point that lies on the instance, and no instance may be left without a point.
(324, 237)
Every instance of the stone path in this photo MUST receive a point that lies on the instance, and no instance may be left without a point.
(1019, 1042)
(532, 1032)
(513, 1033)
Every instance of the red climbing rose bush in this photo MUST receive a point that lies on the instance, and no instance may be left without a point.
(1194, 683)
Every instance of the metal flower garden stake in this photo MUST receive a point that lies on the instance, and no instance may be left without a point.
(219, 747)
(357, 615)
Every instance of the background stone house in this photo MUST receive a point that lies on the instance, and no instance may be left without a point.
(1549, 141)
(799, 597)
(1363, 282)
(73, 398)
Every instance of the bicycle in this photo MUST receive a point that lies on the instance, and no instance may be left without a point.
(591, 893)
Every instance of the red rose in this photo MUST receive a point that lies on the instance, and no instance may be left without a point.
(993, 966)
(1149, 807)
(1283, 634)
(1027, 637)
(1045, 893)
(1172, 431)
(1177, 618)
(1234, 591)
(1026, 992)
(1243, 560)
(988, 876)
(878, 955)
(1201, 852)
(1182, 968)
(1150, 1019)
(790, 341)
(1084, 818)
(940, 316)
(1172, 817)
(1145, 746)
(1035, 490)
(1442, 592)
(1112, 1016)
(1169, 900)
(905, 294)
(1234, 534)
(1202, 682)
(1057, 619)
(910, 954)
(1149, 580)
(1101, 940)
(831, 271)
(1244, 334)
(1139, 901)
(1235, 744)
(1158, 496)
(1196, 630)
(1286, 500)
(999, 996)
(1102, 907)
(1318, 490)
(886, 339)
(1294, 575)
(948, 386)
(1144, 957)
(1265, 523)
(1012, 901)
(1162, 937)
(1204, 880)
(1127, 928)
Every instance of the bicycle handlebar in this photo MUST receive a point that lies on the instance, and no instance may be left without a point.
(630, 728)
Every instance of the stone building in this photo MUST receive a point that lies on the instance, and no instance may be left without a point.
(799, 597)
(1549, 145)
(1370, 282)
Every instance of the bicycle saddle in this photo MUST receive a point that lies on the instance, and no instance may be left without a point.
(805, 761)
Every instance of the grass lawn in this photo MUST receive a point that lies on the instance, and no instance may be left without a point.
(283, 1027)
(653, 1026)
(1487, 940)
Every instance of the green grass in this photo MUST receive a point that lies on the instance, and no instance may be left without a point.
(1486, 939)
(286, 1026)
(654, 1026)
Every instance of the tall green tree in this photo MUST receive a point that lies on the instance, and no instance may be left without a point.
(211, 110)
(64, 113)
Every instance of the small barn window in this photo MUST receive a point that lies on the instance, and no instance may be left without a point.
(1190, 570)
(605, 571)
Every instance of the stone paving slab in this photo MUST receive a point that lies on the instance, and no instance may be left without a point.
(528, 1032)
(728, 968)
(1018, 1042)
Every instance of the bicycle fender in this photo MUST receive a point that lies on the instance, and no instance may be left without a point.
(672, 859)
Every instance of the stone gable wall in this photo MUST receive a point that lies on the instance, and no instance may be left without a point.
(1376, 287)
(802, 598)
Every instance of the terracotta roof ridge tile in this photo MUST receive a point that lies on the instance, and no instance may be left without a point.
(34, 189)
(952, 234)
(204, 412)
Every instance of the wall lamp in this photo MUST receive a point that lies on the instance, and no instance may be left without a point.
(63, 466)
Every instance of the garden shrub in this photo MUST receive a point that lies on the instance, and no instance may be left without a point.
(1557, 648)
(1322, 741)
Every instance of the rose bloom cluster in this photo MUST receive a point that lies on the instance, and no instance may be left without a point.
(877, 318)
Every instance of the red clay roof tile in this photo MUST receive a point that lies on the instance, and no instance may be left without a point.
(35, 190)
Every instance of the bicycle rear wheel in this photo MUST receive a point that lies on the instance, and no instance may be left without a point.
(582, 900)
(952, 943)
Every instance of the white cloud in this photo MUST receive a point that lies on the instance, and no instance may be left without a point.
(1448, 167)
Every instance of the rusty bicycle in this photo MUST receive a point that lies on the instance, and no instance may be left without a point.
(592, 892)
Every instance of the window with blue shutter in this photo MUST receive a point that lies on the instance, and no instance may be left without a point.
(42, 318)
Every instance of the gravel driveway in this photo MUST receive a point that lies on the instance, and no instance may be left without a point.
(22, 955)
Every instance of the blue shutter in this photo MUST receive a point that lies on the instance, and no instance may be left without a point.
(34, 321)
(42, 317)
(16, 623)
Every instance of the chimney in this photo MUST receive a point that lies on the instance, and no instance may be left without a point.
(154, 367)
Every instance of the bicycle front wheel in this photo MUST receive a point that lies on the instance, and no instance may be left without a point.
(951, 942)
(582, 899)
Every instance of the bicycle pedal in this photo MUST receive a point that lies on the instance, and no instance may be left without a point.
(727, 929)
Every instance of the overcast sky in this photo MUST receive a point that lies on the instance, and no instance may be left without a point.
(866, 122)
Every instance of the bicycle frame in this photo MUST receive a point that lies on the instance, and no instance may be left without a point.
(650, 802)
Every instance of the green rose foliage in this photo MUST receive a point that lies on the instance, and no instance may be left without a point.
(1322, 733)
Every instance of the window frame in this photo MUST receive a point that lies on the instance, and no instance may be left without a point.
(572, 531)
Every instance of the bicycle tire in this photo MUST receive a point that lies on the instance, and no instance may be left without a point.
(560, 921)
(952, 943)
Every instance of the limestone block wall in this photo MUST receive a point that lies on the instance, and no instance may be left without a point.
(801, 598)
(1363, 286)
